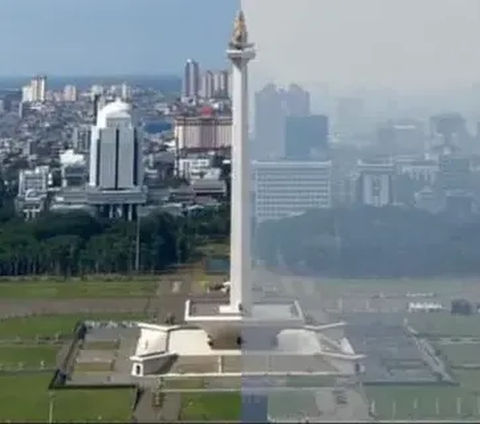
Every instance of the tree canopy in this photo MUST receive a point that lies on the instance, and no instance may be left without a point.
(78, 243)
(370, 242)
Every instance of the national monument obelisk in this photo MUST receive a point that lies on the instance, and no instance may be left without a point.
(241, 321)
(240, 53)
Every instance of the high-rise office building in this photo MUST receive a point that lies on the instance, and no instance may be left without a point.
(297, 101)
(115, 153)
(191, 80)
(305, 136)
(270, 117)
(116, 163)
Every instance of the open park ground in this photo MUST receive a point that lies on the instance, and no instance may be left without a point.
(25, 398)
(456, 341)
(211, 406)
(38, 316)
(34, 338)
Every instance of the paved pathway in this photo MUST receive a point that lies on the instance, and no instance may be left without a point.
(145, 412)
(171, 408)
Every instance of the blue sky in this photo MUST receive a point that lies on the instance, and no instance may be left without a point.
(90, 37)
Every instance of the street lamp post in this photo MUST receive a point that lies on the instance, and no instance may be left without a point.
(50, 407)
(137, 243)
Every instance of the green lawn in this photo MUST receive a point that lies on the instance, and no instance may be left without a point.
(28, 355)
(25, 398)
(184, 383)
(70, 289)
(211, 406)
(445, 324)
(404, 399)
(461, 354)
(389, 285)
(49, 325)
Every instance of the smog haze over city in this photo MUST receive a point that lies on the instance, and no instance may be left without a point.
(239, 210)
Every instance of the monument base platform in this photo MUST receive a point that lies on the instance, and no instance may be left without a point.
(228, 328)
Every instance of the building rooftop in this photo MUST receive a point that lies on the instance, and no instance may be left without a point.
(117, 109)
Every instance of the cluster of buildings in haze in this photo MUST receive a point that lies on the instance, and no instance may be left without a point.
(119, 149)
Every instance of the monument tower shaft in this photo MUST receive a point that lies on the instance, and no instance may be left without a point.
(240, 53)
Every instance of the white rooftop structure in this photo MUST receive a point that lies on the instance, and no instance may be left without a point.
(69, 157)
(114, 110)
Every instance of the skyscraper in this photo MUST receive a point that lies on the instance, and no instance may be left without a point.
(39, 88)
(191, 80)
(269, 124)
(305, 136)
(116, 166)
(297, 101)
(36, 91)
(222, 83)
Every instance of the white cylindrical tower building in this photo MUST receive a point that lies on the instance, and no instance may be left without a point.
(240, 53)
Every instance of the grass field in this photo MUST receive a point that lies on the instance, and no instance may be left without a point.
(76, 289)
(461, 354)
(445, 324)
(211, 406)
(25, 398)
(426, 400)
(49, 325)
(393, 285)
(184, 383)
(28, 355)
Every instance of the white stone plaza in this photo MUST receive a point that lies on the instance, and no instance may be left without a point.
(242, 337)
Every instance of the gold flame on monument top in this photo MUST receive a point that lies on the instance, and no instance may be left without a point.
(239, 39)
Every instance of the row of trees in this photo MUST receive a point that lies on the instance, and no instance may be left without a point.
(77, 243)
(369, 242)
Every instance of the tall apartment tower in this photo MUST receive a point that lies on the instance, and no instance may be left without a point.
(208, 85)
(39, 88)
(191, 80)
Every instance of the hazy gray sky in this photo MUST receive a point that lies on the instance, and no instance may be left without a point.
(407, 44)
